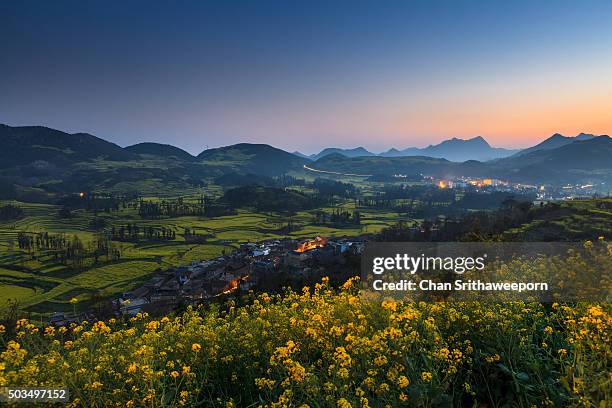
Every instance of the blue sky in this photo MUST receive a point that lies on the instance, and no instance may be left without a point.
(308, 75)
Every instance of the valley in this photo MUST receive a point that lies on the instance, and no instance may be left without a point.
(86, 220)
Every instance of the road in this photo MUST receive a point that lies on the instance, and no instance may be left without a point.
(337, 173)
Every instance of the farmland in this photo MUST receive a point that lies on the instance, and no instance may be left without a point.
(40, 284)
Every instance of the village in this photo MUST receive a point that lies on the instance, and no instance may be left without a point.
(250, 267)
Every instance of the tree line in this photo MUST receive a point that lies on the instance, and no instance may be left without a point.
(337, 217)
(133, 233)
(68, 251)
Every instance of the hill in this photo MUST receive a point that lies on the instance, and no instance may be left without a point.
(28, 144)
(160, 150)
(575, 220)
(555, 141)
(356, 152)
(263, 198)
(38, 162)
(574, 161)
(252, 158)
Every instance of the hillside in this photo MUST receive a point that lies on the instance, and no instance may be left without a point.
(39, 162)
(252, 158)
(160, 150)
(356, 152)
(574, 161)
(576, 220)
(555, 141)
(28, 144)
(263, 198)
(327, 348)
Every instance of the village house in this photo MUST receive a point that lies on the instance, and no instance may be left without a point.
(243, 269)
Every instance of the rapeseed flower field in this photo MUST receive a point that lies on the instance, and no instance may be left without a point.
(325, 347)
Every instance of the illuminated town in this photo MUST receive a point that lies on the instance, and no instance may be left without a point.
(543, 192)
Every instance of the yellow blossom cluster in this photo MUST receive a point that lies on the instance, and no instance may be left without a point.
(323, 347)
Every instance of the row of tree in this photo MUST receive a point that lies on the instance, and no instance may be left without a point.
(134, 232)
(172, 208)
(337, 217)
(68, 251)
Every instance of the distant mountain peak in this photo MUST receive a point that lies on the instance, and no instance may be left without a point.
(455, 149)
(479, 139)
(476, 140)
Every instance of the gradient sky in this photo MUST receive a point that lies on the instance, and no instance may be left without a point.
(302, 76)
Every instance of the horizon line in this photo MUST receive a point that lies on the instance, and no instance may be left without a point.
(294, 150)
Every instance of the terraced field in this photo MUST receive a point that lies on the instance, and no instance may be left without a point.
(41, 285)
(570, 222)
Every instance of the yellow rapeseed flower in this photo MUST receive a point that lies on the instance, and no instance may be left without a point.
(343, 403)
(96, 385)
(402, 381)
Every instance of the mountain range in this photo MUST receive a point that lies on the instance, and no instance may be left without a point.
(581, 160)
(455, 149)
(458, 150)
(37, 162)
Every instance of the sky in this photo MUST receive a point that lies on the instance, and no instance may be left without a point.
(307, 75)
